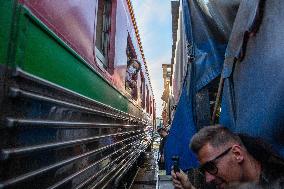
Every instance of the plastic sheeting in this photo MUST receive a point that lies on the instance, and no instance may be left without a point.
(181, 132)
(183, 125)
(252, 98)
(207, 29)
(210, 27)
(253, 95)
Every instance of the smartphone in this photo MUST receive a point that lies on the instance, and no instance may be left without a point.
(175, 160)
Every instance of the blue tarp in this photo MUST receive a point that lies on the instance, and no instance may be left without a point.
(206, 31)
(253, 95)
(207, 36)
(182, 130)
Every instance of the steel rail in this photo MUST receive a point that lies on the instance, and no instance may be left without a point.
(16, 92)
(121, 165)
(7, 153)
(32, 174)
(12, 123)
(18, 72)
(62, 182)
(94, 176)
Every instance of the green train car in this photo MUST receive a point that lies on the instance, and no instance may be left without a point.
(75, 94)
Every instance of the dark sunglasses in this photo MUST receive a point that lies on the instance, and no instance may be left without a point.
(210, 166)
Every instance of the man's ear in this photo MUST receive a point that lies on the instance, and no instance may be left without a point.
(238, 153)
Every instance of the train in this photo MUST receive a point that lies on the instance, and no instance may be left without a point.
(75, 93)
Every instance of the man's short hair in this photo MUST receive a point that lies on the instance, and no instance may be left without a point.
(216, 135)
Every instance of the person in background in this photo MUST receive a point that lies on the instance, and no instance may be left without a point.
(225, 160)
(163, 134)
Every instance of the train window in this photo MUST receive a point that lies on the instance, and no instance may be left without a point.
(150, 105)
(147, 99)
(103, 32)
(142, 90)
(154, 110)
(132, 70)
(133, 67)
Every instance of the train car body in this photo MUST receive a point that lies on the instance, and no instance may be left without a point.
(75, 93)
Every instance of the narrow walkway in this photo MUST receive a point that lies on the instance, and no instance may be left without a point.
(149, 176)
(146, 177)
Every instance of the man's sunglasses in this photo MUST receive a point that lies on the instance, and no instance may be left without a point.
(210, 166)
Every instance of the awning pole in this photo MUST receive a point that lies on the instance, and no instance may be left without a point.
(220, 89)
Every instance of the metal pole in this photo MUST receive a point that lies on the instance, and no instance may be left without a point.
(220, 89)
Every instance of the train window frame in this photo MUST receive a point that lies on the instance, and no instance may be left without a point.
(105, 59)
(142, 90)
(132, 70)
(131, 80)
(147, 99)
(150, 105)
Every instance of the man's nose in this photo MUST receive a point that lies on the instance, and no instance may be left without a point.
(209, 177)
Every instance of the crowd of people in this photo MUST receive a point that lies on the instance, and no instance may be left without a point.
(228, 160)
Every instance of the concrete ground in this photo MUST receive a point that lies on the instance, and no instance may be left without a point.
(149, 176)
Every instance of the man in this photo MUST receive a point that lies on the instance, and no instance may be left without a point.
(225, 160)
(163, 134)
